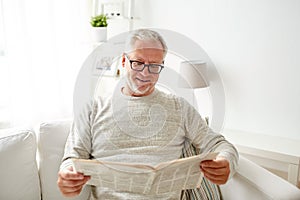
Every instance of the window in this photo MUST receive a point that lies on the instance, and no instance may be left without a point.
(4, 75)
(1, 31)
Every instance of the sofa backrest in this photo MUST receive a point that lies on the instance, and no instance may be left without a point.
(18, 168)
(51, 141)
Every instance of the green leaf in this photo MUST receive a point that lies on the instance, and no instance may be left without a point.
(99, 21)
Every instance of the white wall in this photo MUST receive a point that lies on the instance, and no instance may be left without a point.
(255, 46)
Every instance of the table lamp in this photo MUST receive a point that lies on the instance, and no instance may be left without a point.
(193, 74)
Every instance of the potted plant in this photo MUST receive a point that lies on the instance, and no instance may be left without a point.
(99, 25)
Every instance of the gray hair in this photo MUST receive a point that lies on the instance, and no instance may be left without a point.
(145, 34)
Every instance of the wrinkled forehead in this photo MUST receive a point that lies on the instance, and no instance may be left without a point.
(148, 47)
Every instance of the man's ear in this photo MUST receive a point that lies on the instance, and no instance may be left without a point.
(123, 60)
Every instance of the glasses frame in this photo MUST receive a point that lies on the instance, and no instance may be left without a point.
(144, 65)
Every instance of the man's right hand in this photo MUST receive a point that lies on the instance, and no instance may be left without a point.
(71, 183)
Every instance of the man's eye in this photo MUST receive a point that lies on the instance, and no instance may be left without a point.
(155, 66)
(138, 63)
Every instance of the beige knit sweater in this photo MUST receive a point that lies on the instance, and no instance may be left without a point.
(150, 130)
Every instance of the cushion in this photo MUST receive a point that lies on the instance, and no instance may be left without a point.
(51, 138)
(18, 168)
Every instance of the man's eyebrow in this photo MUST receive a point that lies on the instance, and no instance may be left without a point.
(139, 59)
(152, 61)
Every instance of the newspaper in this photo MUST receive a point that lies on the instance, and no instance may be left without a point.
(163, 178)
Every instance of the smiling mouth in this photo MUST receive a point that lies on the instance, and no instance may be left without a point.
(144, 81)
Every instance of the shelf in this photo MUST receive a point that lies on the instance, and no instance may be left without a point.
(276, 154)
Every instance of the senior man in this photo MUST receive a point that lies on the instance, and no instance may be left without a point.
(98, 134)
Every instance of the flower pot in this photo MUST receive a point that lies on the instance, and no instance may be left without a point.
(99, 34)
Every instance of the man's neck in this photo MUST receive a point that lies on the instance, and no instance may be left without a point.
(128, 92)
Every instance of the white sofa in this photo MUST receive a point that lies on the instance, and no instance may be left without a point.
(30, 161)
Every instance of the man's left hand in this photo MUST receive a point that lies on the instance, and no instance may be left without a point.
(217, 171)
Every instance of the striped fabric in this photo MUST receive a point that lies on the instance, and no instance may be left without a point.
(208, 190)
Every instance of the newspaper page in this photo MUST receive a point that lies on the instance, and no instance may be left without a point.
(165, 177)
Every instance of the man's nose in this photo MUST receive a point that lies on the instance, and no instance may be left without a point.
(145, 71)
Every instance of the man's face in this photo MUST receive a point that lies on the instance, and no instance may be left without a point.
(142, 83)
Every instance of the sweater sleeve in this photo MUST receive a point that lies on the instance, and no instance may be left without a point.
(78, 144)
(204, 138)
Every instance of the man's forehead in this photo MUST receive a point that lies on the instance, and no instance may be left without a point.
(148, 44)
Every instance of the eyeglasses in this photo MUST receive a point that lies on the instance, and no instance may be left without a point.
(140, 66)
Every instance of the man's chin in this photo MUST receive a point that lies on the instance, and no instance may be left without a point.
(143, 90)
(138, 88)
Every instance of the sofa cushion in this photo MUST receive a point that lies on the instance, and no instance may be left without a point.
(51, 139)
(18, 168)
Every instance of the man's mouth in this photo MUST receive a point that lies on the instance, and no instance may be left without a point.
(141, 80)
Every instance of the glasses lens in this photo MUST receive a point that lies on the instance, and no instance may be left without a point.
(137, 65)
(154, 69)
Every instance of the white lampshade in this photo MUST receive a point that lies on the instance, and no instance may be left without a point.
(193, 74)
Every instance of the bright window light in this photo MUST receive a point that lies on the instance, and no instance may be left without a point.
(1, 30)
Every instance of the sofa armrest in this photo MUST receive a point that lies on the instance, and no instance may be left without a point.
(18, 168)
(254, 182)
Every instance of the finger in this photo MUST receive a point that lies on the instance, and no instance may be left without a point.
(72, 183)
(70, 175)
(216, 179)
(215, 163)
(215, 171)
(71, 193)
(73, 190)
